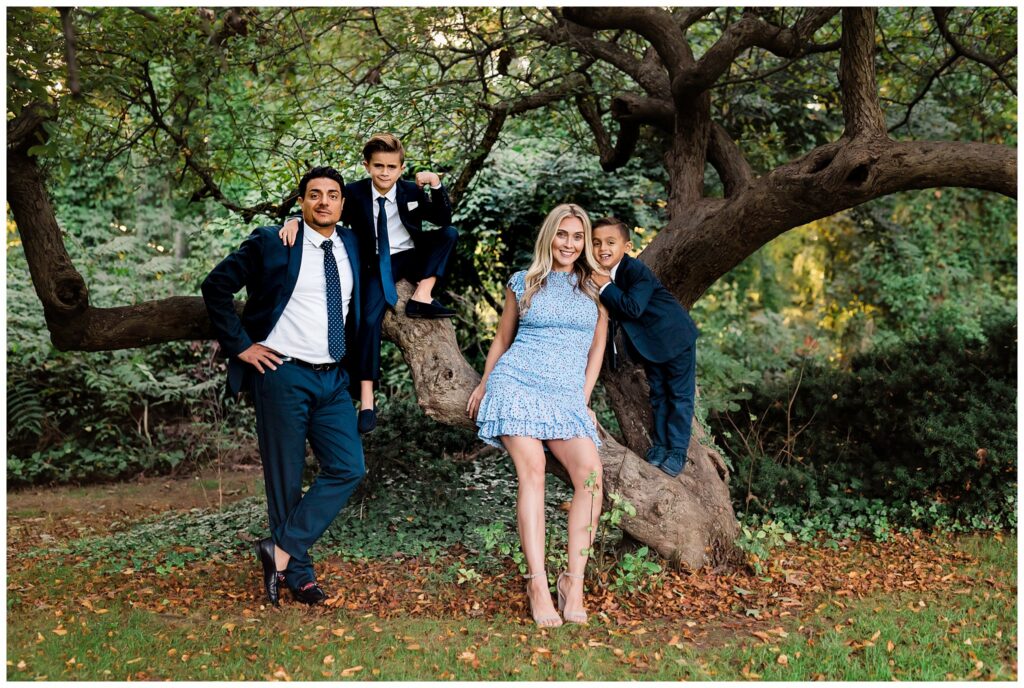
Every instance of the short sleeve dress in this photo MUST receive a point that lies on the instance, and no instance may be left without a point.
(536, 387)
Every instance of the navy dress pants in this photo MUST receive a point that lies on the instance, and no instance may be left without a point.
(429, 258)
(672, 389)
(295, 404)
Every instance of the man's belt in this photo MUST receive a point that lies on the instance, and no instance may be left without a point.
(319, 367)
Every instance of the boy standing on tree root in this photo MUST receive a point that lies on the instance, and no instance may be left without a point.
(659, 333)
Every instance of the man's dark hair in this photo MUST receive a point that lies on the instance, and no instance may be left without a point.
(613, 222)
(317, 173)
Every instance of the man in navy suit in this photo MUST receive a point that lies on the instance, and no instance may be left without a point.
(287, 348)
(387, 214)
(659, 333)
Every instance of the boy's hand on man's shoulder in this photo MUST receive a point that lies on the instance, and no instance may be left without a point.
(423, 178)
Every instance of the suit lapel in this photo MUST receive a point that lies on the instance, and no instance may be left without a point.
(623, 266)
(402, 199)
(291, 276)
(367, 201)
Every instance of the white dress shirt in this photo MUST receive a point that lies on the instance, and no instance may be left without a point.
(398, 235)
(301, 332)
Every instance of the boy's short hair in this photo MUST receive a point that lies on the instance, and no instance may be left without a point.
(384, 142)
(317, 173)
(610, 221)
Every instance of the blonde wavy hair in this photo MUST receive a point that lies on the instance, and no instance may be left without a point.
(583, 267)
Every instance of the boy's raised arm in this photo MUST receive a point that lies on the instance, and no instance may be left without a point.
(628, 303)
(438, 209)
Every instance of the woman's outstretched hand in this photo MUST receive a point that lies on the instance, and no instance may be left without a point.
(289, 232)
(475, 398)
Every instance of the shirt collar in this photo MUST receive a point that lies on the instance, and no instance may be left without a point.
(315, 238)
(390, 195)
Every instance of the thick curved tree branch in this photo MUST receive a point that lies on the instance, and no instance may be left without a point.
(861, 109)
(829, 179)
(26, 130)
(727, 159)
(653, 23)
(586, 103)
(942, 21)
(656, 112)
(612, 157)
(72, 322)
(652, 80)
(749, 31)
(822, 47)
(691, 15)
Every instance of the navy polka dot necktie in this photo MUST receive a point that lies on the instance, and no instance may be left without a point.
(384, 251)
(335, 318)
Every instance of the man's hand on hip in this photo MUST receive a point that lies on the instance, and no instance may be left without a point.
(258, 355)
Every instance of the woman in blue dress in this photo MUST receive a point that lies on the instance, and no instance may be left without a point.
(535, 391)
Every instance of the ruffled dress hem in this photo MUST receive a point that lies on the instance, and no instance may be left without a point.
(491, 430)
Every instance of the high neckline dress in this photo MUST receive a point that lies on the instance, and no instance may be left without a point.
(536, 387)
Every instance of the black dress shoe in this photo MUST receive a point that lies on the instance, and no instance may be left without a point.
(367, 421)
(310, 593)
(265, 552)
(415, 309)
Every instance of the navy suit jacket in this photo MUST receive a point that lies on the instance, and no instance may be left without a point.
(657, 326)
(358, 211)
(268, 270)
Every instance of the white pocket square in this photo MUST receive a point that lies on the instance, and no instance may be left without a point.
(413, 205)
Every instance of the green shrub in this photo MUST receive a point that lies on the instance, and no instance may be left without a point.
(927, 423)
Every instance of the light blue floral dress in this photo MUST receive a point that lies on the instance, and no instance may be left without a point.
(536, 387)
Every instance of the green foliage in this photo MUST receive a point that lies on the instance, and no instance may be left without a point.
(760, 540)
(166, 542)
(421, 505)
(25, 413)
(72, 463)
(930, 423)
(521, 182)
(113, 415)
(635, 571)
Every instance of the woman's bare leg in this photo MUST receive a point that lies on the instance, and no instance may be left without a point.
(528, 456)
(581, 460)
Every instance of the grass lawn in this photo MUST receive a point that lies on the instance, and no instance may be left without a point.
(62, 625)
(102, 588)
